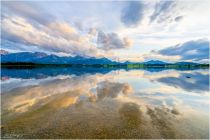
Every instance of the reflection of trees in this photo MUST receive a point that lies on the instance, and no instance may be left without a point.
(44, 72)
(130, 115)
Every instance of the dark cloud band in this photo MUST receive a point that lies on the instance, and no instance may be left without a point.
(132, 14)
(195, 50)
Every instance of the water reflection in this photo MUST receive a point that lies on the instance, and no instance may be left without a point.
(44, 72)
(189, 81)
(164, 121)
(130, 115)
(111, 89)
(117, 104)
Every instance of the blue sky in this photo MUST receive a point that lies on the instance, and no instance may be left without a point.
(122, 30)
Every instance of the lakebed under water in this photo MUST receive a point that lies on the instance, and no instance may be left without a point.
(67, 103)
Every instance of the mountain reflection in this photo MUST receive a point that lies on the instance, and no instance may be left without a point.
(44, 72)
(41, 73)
(117, 104)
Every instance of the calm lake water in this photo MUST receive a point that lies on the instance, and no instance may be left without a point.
(100, 103)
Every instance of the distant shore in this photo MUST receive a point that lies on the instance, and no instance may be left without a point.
(120, 65)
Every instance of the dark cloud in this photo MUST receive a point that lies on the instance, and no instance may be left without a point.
(28, 10)
(112, 41)
(164, 12)
(132, 14)
(195, 50)
(178, 18)
(22, 43)
(161, 7)
(30, 18)
(17, 47)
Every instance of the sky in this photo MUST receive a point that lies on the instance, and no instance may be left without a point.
(119, 30)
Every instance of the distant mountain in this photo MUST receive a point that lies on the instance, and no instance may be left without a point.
(127, 62)
(22, 57)
(186, 63)
(154, 62)
(42, 58)
(3, 52)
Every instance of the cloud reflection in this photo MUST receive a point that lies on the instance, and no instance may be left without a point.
(112, 89)
(188, 81)
(130, 115)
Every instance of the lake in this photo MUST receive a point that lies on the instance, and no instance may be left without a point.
(103, 103)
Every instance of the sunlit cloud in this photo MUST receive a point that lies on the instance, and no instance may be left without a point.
(28, 26)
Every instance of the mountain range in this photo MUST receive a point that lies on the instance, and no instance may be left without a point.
(43, 58)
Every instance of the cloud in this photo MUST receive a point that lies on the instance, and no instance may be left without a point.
(133, 13)
(178, 18)
(28, 10)
(160, 8)
(27, 24)
(54, 37)
(165, 11)
(194, 50)
(112, 41)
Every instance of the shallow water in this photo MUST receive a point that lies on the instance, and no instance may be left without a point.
(73, 103)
